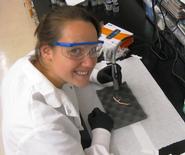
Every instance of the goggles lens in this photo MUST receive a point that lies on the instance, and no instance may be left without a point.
(78, 51)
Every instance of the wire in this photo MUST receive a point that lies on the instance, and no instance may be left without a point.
(173, 69)
(162, 13)
(172, 41)
(150, 46)
(164, 19)
(155, 23)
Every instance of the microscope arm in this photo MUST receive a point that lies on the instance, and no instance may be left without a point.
(115, 74)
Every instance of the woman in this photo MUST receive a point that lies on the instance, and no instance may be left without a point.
(38, 117)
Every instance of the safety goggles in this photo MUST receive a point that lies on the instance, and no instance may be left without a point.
(78, 51)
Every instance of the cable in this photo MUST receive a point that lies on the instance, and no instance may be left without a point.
(164, 19)
(173, 70)
(149, 46)
(162, 13)
(155, 23)
(169, 38)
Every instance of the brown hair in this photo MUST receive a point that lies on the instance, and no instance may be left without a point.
(49, 29)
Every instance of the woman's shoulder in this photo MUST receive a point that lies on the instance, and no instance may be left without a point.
(18, 73)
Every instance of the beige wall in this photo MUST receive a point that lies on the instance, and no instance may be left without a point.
(16, 35)
(16, 31)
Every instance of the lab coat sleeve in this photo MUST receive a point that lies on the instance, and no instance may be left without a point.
(52, 133)
(45, 142)
(55, 134)
(100, 142)
(49, 142)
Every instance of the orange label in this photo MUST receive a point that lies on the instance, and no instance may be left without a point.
(119, 36)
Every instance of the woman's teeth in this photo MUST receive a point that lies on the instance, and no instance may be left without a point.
(82, 73)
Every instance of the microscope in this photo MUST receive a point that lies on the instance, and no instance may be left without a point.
(115, 70)
(117, 75)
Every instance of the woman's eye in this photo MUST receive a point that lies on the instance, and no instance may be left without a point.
(93, 50)
(76, 52)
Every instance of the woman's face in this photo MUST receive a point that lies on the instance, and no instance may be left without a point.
(65, 69)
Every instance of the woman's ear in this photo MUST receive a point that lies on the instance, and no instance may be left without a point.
(46, 52)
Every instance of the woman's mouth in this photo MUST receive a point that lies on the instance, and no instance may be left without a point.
(82, 73)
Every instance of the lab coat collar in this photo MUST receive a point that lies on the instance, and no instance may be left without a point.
(40, 83)
(53, 96)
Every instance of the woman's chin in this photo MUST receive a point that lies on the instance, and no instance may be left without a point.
(82, 83)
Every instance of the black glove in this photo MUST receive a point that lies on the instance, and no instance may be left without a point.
(105, 75)
(99, 119)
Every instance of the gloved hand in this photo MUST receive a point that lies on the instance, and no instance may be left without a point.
(105, 74)
(99, 119)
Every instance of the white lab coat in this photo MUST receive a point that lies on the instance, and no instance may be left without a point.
(40, 119)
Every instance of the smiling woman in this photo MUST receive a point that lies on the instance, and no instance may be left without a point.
(39, 118)
(53, 60)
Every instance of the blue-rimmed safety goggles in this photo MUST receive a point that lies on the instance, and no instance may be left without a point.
(65, 44)
(79, 50)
